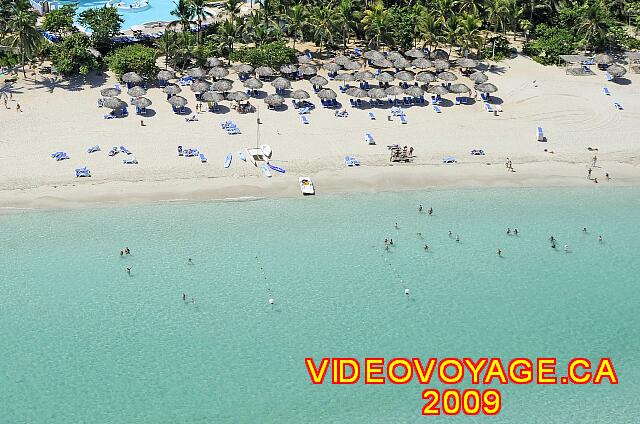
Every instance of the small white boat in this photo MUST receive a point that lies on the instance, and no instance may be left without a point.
(306, 186)
(265, 170)
(241, 156)
(266, 149)
(255, 155)
(227, 161)
(250, 158)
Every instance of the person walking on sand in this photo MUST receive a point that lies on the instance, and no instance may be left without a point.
(589, 174)
(18, 107)
(594, 160)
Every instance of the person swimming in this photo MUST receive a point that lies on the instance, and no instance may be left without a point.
(566, 248)
(426, 247)
(458, 237)
(450, 233)
(190, 262)
(391, 242)
(127, 251)
(508, 231)
(128, 270)
(430, 211)
(396, 225)
(499, 252)
(584, 229)
(553, 245)
(184, 297)
(419, 235)
(515, 231)
(420, 208)
(121, 252)
(600, 238)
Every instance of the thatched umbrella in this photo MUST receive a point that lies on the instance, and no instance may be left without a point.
(131, 78)
(357, 92)
(439, 54)
(300, 95)
(602, 59)
(405, 76)
(114, 103)
(441, 64)
(466, 62)
(212, 96)
(414, 91)
(363, 75)
(351, 66)
(110, 92)
(415, 53)
(327, 93)
(172, 89)
(373, 55)
(331, 67)
(422, 63)
(218, 72)
(382, 63)
(394, 55)
(253, 83)
(142, 102)
(447, 76)
(401, 63)
(377, 93)
(318, 80)
(341, 60)
(165, 75)
(425, 77)
(394, 90)
(487, 87)
(177, 101)
(213, 62)
(385, 77)
(265, 71)
(136, 91)
(616, 71)
(438, 89)
(238, 96)
(197, 72)
(274, 100)
(288, 69)
(302, 59)
(344, 77)
(459, 88)
(281, 83)
(222, 85)
(308, 70)
(478, 77)
(244, 69)
(200, 86)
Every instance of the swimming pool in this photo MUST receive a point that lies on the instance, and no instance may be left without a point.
(153, 10)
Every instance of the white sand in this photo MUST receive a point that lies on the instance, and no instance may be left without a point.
(573, 111)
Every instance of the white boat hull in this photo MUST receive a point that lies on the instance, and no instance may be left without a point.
(306, 186)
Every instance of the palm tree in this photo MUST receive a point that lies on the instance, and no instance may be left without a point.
(296, 22)
(347, 18)
(593, 23)
(22, 33)
(167, 45)
(496, 12)
(470, 6)
(201, 13)
(375, 22)
(227, 35)
(184, 12)
(469, 31)
(429, 29)
(232, 8)
(322, 20)
(450, 31)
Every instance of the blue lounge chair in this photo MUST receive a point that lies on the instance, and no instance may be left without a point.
(303, 111)
(606, 91)
(125, 150)
(618, 106)
(437, 109)
(83, 172)
(353, 102)
(609, 77)
(93, 149)
(372, 116)
(484, 97)
(355, 161)
(488, 107)
(457, 100)
(334, 103)
(109, 116)
(130, 161)
(348, 161)
(403, 119)
(203, 159)
(539, 134)
(449, 159)
(369, 139)
(359, 102)
(304, 119)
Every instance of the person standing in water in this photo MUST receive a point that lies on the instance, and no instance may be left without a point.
(396, 225)
(420, 208)
(190, 262)
(184, 297)
(508, 231)
(458, 237)
(128, 270)
(515, 231)
(499, 252)
(430, 211)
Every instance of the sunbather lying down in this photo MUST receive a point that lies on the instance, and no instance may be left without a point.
(191, 118)
(591, 149)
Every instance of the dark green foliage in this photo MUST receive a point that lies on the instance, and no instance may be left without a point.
(60, 21)
(133, 58)
(550, 43)
(273, 54)
(104, 22)
(72, 56)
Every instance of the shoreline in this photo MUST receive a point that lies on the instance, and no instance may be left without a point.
(367, 179)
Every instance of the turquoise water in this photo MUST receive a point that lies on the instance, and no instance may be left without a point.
(84, 342)
(158, 10)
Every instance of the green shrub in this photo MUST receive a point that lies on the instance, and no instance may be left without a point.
(104, 22)
(550, 42)
(273, 54)
(133, 58)
(60, 21)
(72, 56)
(502, 48)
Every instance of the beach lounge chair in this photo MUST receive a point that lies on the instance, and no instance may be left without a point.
(457, 100)
(114, 151)
(304, 119)
(109, 116)
(355, 161)
(359, 102)
(539, 134)
(618, 106)
(93, 149)
(437, 109)
(449, 159)
(497, 108)
(477, 152)
(130, 161)
(348, 161)
(180, 152)
(203, 158)
(369, 139)
(609, 77)
(352, 102)
(83, 172)
(488, 107)
(606, 91)
(304, 111)
(125, 150)
(58, 156)
(484, 97)
(403, 118)
(372, 116)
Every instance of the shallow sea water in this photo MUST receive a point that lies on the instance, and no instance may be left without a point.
(84, 342)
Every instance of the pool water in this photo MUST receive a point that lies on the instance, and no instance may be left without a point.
(158, 10)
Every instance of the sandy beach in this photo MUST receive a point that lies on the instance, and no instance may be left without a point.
(62, 115)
